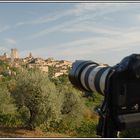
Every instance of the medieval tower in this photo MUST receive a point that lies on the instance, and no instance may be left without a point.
(14, 54)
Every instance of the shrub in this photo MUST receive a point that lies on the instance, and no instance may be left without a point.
(72, 105)
(10, 120)
(72, 108)
(87, 129)
(6, 102)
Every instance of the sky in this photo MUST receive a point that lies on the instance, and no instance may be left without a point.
(102, 32)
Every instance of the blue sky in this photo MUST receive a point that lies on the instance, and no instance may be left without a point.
(102, 32)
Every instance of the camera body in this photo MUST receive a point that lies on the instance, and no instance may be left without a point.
(124, 89)
(120, 82)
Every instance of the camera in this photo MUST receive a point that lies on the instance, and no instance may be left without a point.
(119, 84)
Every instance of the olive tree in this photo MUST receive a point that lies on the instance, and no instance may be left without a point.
(72, 108)
(35, 92)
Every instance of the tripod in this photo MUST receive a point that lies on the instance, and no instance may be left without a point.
(106, 127)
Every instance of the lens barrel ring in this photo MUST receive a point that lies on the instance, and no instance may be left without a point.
(76, 71)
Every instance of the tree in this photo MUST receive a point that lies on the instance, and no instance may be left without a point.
(6, 102)
(72, 108)
(35, 92)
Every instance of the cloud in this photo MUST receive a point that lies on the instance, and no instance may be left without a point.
(93, 28)
(79, 9)
(11, 41)
(5, 28)
(93, 46)
(55, 28)
(80, 12)
(64, 25)
(99, 8)
(76, 10)
(46, 19)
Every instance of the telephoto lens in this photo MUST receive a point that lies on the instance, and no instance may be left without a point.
(89, 76)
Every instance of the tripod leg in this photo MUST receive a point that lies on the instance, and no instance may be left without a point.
(109, 129)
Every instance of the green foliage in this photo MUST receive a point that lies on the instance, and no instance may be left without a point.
(60, 80)
(51, 104)
(6, 102)
(63, 79)
(24, 115)
(94, 101)
(72, 109)
(3, 64)
(51, 71)
(10, 120)
(87, 129)
(35, 91)
(72, 106)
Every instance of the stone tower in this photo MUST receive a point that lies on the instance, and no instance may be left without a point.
(30, 55)
(14, 54)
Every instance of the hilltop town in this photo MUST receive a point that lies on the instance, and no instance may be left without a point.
(60, 67)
